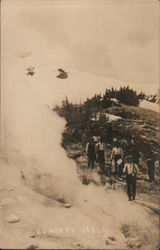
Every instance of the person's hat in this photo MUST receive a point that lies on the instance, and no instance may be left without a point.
(115, 139)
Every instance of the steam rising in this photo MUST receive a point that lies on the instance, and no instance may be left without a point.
(33, 130)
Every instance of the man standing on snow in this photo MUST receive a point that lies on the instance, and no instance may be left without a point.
(131, 170)
(90, 150)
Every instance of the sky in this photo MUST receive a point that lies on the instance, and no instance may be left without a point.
(118, 39)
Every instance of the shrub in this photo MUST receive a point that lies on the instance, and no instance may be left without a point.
(127, 96)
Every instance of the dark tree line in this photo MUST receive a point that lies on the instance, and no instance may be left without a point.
(88, 118)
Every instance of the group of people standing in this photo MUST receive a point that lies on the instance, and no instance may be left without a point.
(95, 150)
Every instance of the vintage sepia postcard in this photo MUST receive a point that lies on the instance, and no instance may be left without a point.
(80, 124)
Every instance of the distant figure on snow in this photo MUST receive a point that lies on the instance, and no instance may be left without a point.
(62, 74)
(90, 150)
(131, 170)
(30, 71)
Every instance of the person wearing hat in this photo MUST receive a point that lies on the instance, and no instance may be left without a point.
(151, 169)
(117, 158)
(153, 164)
(90, 150)
(135, 148)
(100, 150)
(131, 170)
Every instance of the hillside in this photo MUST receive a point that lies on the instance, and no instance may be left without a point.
(118, 121)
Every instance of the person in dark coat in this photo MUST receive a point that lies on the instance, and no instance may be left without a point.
(90, 150)
(151, 169)
(135, 149)
(100, 150)
(131, 170)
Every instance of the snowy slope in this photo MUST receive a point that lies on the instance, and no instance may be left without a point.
(149, 105)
